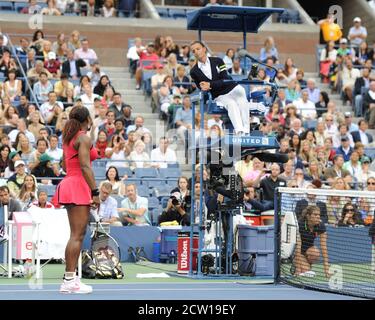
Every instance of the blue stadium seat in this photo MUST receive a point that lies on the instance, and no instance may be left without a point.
(100, 172)
(146, 173)
(154, 214)
(161, 191)
(177, 13)
(153, 202)
(174, 165)
(99, 163)
(6, 7)
(118, 198)
(124, 171)
(49, 188)
(170, 173)
(310, 124)
(18, 6)
(163, 12)
(370, 152)
(143, 191)
(164, 202)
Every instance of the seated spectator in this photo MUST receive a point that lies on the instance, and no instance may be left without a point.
(4, 158)
(275, 112)
(30, 61)
(116, 151)
(349, 75)
(28, 191)
(16, 181)
(24, 147)
(138, 126)
(361, 54)
(88, 9)
(72, 67)
(360, 82)
(41, 148)
(182, 78)
(345, 149)
(312, 90)
(157, 81)
(306, 107)
(42, 201)
(289, 69)
(307, 152)
(107, 99)
(7, 200)
(228, 58)
(130, 143)
(184, 119)
(21, 127)
(268, 184)
(322, 104)
(51, 9)
(118, 185)
(108, 10)
(362, 135)
(108, 205)
(54, 151)
(327, 57)
(290, 115)
(166, 93)
(85, 53)
(171, 46)
(357, 33)
(117, 105)
(12, 87)
(147, 140)
(366, 172)
(269, 50)
(42, 88)
(139, 158)
(101, 144)
(299, 177)
(252, 202)
(32, 8)
(354, 166)
(330, 126)
(215, 119)
(342, 132)
(95, 73)
(350, 216)
(23, 106)
(172, 65)
(51, 109)
(52, 64)
(292, 93)
(62, 86)
(281, 79)
(369, 105)
(133, 55)
(147, 61)
(345, 51)
(320, 134)
(127, 116)
(296, 128)
(44, 170)
(102, 85)
(134, 209)
(337, 169)
(288, 173)
(109, 124)
(236, 68)
(163, 155)
(244, 166)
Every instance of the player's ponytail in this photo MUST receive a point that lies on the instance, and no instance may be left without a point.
(76, 117)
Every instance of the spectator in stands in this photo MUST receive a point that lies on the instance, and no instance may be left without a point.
(337, 170)
(369, 105)
(157, 81)
(354, 166)
(357, 33)
(12, 87)
(292, 93)
(350, 217)
(134, 209)
(322, 104)
(120, 128)
(163, 155)
(37, 43)
(16, 181)
(106, 100)
(253, 176)
(345, 149)
(116, 151)
(361, 54)
(289, 69)
(64, 90)
(4, 159)
(3, 47)
(305, 106)
(72, 67)
(147, 140)
(172, 65)
(51, 9)
(185, 55)
(333, 113)
(362, 135)
(29, 61)
(108, 10)
(28, 191)
(312, 90)
(133, 55)
(299, 177)
(244, 166)
(64, 6)
(42, 88)
(13, 157)
(269, 50)
(342, 132)
(78, 90)
(54, 151)
(22, 107)
(320, 134)
(130, 143)
(7, 200)
(147, 61)
(295, 141)
(275, 112)
(327, 57)
(75, 40)
(41, 148)
(314, 170)
(88, 9)
(345, 51)
(306, 254)
(109, 125)
(290, 115)
(32, 8)
(138, 126)
(52, 64)
(184, 119)
(331, 31)
(103, 83)
(360, 84)
(101, 144)
(60, 123)
(228, 58)
(215, 119)
(307, 153)
(127, 8)
(127, 115)
(34, 73)
(11, 118)
(139, 157)
(118, 105)
(182, 78)
(236, 68)
(159, 43)
(85, 53)
(171, 47)
(288, 172)
(108, 205)
(42, 201)
(24, 147)
(118, 185)
(349, 75)
(95, 73)
(51, 109)
(5, 62)
(88, 99)
(330, 126)
(21, 127)
(299, 77)
(166, 93)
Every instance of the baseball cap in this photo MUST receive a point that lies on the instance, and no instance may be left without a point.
(51, 55)
(348, 114)
(45, 158)
(343, 40)
(13, 154)
(94, 62)
(357, 19)
(344, 138)
(177, 96)
(365, 159)
(18, 163)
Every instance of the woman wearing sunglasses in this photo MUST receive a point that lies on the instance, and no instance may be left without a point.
(350, 216)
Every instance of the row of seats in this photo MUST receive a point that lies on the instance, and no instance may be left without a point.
(17, 6)
(172, 13)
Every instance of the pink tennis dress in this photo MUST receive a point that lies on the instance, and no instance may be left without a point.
(73, 189)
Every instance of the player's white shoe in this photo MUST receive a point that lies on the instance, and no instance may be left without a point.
(75, 286)
(308, 274)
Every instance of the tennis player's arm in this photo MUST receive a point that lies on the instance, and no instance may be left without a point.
(84, 160)
(63, 164)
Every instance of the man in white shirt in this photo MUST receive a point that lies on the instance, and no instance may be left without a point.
(357, 33)
(138, 126)
(21, 127)
(134, 208)
(88, 99)
(215, 119)
(54, 151)
(85, 53)
(51, 108)
(161, 156)
(132, 54)
(108, 206)
(330, 127)
(305, 107)
(349, 75)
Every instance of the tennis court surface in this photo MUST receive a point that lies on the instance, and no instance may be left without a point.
(174, 287)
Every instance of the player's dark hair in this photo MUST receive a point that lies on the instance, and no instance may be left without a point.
(77, 116)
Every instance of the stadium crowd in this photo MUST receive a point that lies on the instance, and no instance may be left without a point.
(41, 80)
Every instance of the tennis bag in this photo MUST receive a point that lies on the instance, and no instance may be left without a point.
(102, 264)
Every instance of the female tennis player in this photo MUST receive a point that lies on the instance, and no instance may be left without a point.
(310, 227)
(77, 191)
